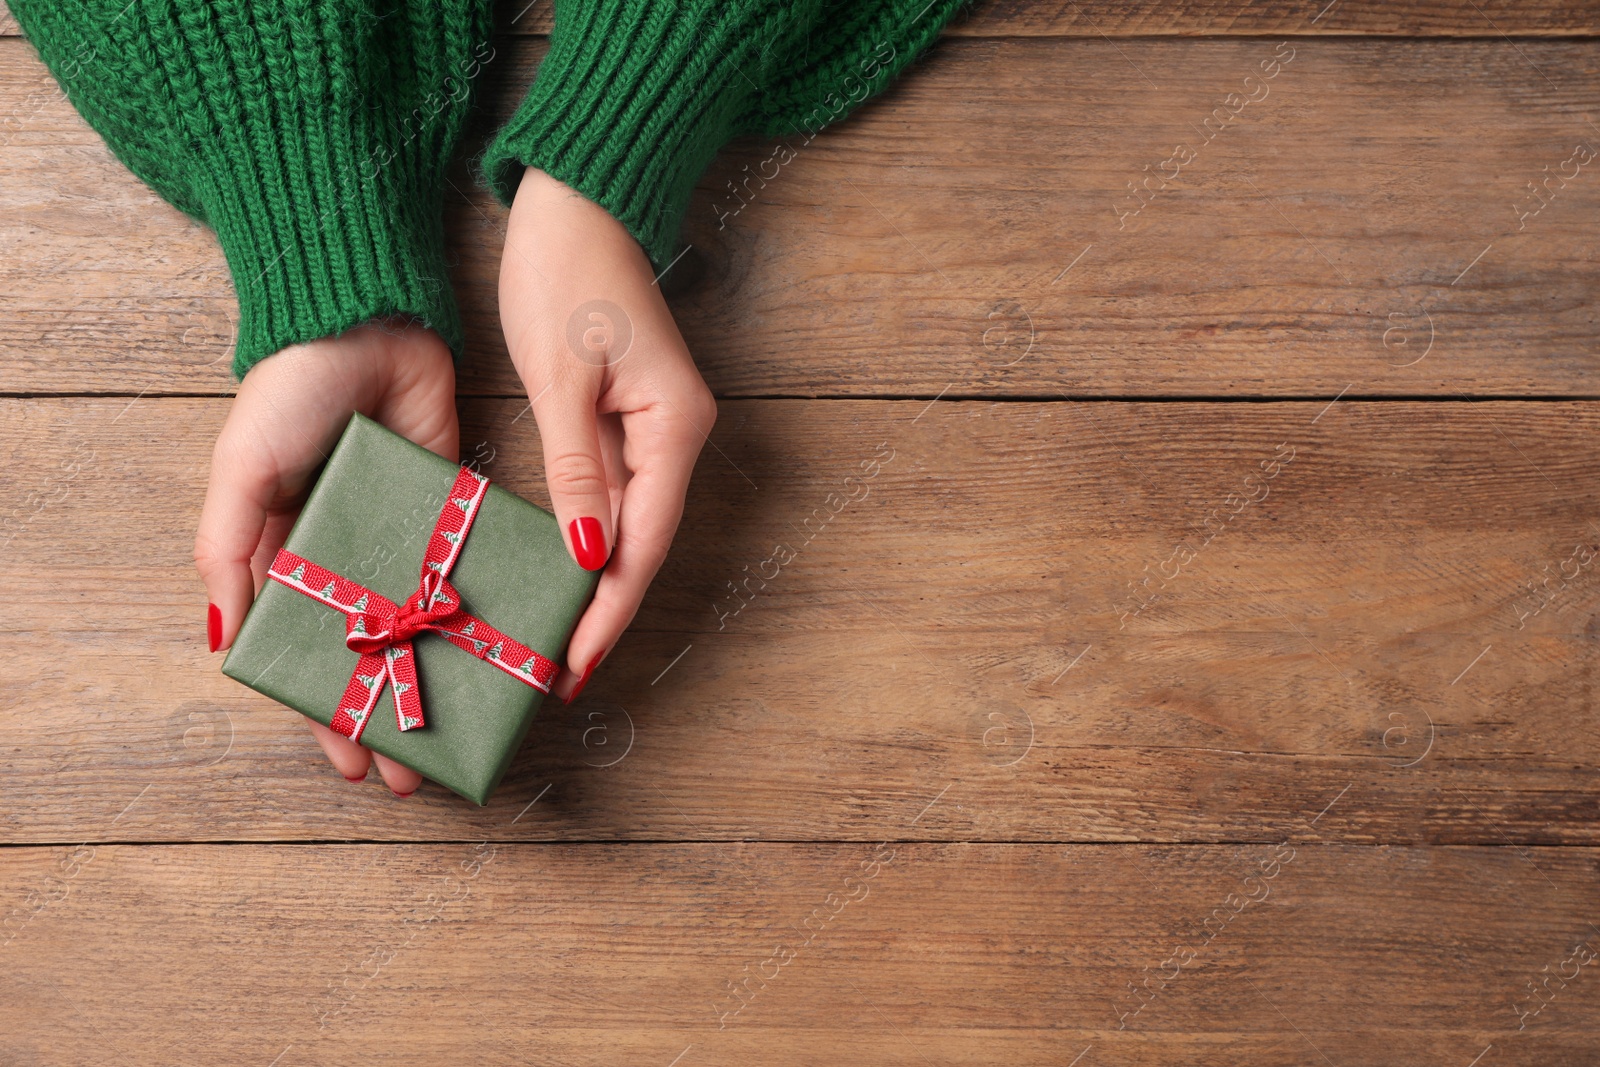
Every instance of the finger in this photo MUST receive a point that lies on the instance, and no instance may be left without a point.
(241, 488)
(612, 442)
(347, 757)
(663, 442)
(574, 469)
(402, 781)
(611, 449)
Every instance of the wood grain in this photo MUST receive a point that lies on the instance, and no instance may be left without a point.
(1358, 228)
(947, 954)
(968, 628)
(1298, 690)
(1146, 18)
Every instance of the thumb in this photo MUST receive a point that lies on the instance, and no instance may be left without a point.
(231, 525)
(575, 471)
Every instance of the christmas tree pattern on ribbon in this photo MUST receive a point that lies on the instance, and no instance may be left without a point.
(386, 654)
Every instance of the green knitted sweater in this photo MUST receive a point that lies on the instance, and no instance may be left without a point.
(313, 135)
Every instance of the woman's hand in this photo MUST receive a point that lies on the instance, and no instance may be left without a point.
(622, 412)
(289, 412)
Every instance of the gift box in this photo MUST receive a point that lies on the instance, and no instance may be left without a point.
(416, 608)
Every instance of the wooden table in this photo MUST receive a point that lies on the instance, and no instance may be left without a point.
(1205, 673)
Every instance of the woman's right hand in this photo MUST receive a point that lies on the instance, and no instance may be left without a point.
(286, 417)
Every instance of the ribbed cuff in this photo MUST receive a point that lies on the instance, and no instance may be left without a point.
(632, 102)
(312, 137)
(324, 171)
(865, 46)
(365, 242)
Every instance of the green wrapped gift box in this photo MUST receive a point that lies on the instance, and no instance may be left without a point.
(370, 521)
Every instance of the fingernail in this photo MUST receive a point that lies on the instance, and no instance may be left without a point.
(583, 679)
(588, 542)
(355, 778)
(402, 796)
(213, 626)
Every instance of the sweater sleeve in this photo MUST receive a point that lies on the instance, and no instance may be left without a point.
(313, 137)
(635, 97)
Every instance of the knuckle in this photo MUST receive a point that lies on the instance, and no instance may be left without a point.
(702, 409)
(648, 553)
(688, 421)
(574, 474)
(646, 549)
(618, 603)
(206, 559)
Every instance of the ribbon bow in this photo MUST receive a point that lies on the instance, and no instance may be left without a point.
(381, 630)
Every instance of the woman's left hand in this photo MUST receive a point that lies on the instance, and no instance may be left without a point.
(622, 411)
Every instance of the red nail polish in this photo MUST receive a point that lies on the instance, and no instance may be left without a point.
(402, 796)
(357, 778)
(588, 543)
(213, 626)
(583, 679)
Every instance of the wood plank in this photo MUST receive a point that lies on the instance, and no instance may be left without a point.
(926, 245)
(1147, 18)
(972, 629)
(949, 954)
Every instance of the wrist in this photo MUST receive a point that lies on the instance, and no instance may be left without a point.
(549, 202)
(556, 228)
(632, 101)
(376, 356)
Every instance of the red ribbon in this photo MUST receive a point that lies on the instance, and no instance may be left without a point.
(381, 630)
